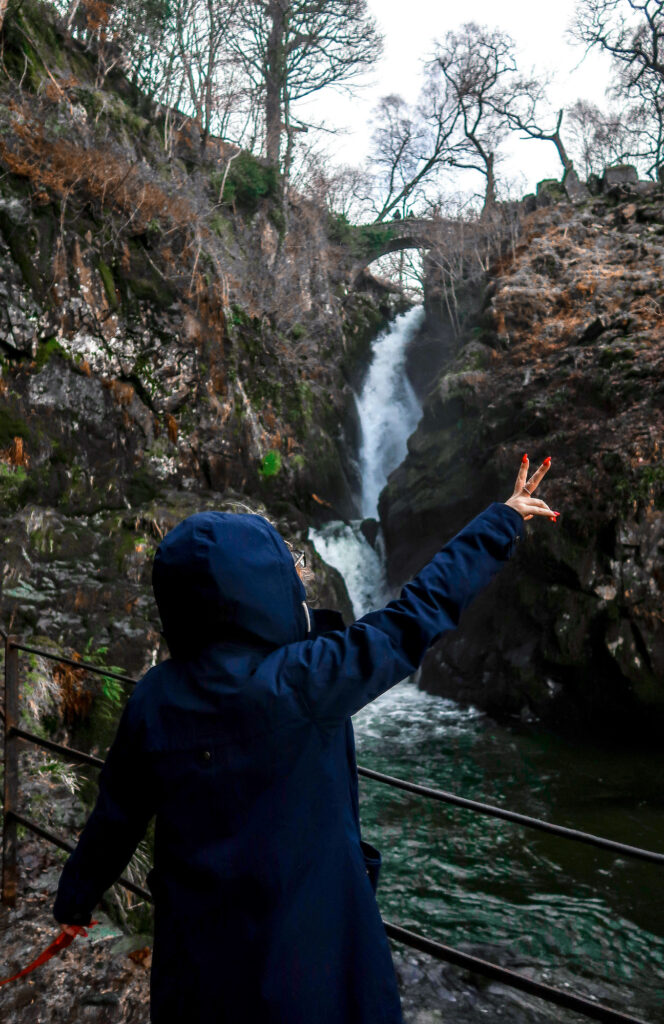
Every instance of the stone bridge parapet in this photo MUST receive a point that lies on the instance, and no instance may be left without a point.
(368, 242)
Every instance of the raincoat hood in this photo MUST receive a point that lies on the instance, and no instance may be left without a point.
(225, 576)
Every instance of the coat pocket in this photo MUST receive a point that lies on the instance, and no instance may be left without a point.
(372, 862)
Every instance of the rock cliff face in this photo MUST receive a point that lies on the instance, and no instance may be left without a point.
(173, 335)
(567, 360)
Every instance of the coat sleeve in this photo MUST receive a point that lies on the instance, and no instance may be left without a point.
(115, 827)
(337, 674)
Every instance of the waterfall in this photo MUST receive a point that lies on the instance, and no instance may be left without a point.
(388, 408)
(388, 412)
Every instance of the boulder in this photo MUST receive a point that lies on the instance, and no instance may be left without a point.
(15, 211)
(621, 174)
(549, 191)
(576, 189)
(370, 528)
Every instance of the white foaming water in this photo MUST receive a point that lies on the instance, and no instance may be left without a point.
(344, 546)
(389, 411)
(388, 408)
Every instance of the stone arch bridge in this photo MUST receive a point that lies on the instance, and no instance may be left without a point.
(368, 242)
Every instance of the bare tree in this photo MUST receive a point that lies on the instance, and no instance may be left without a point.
(120, 33)
(463, 253)
(404, 270)
(632, 33)
(600, 138)
(199, 30)
(647, 119)
(408, 146)
(527, 111)
(175, 52)
(478, 66)
(344, 190)
(291, 49)
(470, 97)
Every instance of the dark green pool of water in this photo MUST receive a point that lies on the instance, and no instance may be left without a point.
(573, 915)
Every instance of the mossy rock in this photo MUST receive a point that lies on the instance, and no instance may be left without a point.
(142, 487)
(144, 281)
(12, 481)
(248, 182)
(643, 485)
(612, 354)
(21, 245)
(221, 227)
(300, 406)
(550, 190)
(108, 282)
(474, 356)
(46, 350)
(270, 465)
(12, 426)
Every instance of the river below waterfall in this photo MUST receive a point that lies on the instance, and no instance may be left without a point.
(565, 913)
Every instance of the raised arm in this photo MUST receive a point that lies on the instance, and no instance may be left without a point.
(113, 830)
(336, 674)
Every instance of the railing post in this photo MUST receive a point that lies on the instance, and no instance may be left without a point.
(9, 825)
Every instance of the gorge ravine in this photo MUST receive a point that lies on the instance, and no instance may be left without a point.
(567, 915)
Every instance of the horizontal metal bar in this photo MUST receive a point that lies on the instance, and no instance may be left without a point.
(490, 810)
(64, 844)
(595, 1011)
(488, 970)
(72, 661)
(517, 819)
(58, 748)
(411, 787)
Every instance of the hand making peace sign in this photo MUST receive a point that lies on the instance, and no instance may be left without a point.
(522, 500)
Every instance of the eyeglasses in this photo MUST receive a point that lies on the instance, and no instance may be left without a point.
(299, 558)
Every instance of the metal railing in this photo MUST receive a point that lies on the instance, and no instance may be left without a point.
(12, 818)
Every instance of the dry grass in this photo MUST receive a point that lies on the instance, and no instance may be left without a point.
(75, 697)
(56, 167)
(16, 454)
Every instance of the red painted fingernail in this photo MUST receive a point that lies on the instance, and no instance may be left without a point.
(547, 460)
(525, 457)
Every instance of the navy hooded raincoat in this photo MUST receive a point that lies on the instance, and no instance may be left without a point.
(242, 746)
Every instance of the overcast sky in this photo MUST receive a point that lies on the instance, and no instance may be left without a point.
(410, 28)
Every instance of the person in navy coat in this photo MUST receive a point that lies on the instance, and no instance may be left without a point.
(241, 745)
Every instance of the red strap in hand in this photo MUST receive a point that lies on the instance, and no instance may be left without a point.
(61, 942)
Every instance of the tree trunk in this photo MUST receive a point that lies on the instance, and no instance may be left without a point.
(275, 73)
(206, 118)
(490, 193)
(562, 152)
(3, 10)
